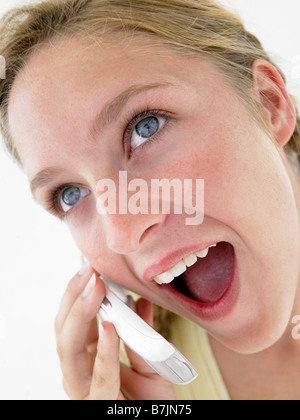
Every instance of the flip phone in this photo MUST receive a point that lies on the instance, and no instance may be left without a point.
(155, 350)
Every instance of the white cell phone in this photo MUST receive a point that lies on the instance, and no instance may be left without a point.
(155, 350)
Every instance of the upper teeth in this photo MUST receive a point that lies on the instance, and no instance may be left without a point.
(181, 267)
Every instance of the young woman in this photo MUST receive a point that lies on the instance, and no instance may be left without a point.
(163, 89)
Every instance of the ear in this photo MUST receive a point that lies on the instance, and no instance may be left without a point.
(279, 111)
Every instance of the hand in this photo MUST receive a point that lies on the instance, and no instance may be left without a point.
(90, 364)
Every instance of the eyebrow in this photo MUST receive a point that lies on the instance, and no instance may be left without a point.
(106, 116)
(112, 109)
(44, 177)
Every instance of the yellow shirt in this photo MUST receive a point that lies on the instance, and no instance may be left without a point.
(194, 344)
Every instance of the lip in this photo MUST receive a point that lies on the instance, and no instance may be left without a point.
(169, 261)
(207, 311)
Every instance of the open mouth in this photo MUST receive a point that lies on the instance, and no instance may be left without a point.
(209, 278)
(205, 283)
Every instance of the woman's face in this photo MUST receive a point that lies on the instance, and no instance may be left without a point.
(81, 112)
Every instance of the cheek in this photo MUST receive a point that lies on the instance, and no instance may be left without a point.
(87, 233)
(246, 183)
(251, 193)
(90, 238)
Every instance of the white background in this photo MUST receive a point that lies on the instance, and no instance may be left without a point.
(37, 255)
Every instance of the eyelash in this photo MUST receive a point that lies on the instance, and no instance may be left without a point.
(52, 201)
(137, 117)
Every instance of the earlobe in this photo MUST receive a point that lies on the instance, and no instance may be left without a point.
(279, 111)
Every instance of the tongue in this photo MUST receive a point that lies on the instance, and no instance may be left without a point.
(210, 277)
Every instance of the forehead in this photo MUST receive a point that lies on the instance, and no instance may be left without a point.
(75, 64)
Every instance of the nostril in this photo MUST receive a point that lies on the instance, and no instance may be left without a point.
(147, 232)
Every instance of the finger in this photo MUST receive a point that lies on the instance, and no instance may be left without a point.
(76, 362)
(81, 316)
(106, 376)
(74, 290)
(138, 387)
(144, 309)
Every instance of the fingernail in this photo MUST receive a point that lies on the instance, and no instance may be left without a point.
(90, 286)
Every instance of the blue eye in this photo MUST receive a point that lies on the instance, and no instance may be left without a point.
(71, 195)
(145, 129)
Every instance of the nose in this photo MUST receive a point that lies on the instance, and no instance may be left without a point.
(126, 234)
(125, 231)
